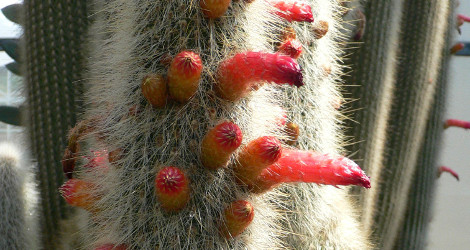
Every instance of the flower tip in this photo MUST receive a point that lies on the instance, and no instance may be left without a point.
(299, 81)
(365, 182)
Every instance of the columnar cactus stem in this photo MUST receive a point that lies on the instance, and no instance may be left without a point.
(391, 154)
(130, 40)
(53, 57)
(412, 106)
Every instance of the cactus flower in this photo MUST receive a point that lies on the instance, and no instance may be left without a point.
(457, 123)
(293, 11)
(239, 74)
(442, 169)
(310, 167)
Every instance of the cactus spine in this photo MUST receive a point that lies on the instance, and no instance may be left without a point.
(18, 201)
(131, 39)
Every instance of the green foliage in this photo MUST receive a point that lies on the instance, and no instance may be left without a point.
(14, 67)
(10, 46)
(13, 12)
(10, 115)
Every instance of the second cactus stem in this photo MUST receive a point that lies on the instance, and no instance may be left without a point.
(189, 141)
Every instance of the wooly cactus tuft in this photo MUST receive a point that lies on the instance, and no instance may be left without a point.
(18, 201)
(187, 105)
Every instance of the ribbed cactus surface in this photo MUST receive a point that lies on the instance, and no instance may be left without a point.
(372, 79)
(402, 101)
(54, 32)
(413, 233)
(132, 146)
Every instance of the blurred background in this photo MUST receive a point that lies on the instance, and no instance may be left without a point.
(10, 84)
(450, 224)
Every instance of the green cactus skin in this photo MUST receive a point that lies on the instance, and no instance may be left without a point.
(128, 41)
(394, 132)
(53, 35)
(372, 80)
(413, 234)
(18, 201)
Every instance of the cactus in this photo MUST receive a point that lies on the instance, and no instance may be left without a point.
(241, 45)
(18, 201)
(52, 70)
(129, 41)
(400, 125)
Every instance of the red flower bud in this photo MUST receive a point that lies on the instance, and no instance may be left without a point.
(219, 144)
(184, 75)
(155, 90)
(237, 217)
(256, 156)
(172, 189)
(214, 8)
(78, 193)
(293, 11)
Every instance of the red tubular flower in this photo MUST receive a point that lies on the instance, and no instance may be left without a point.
(172, 189)
(219, 144)
(292, 48)
(214, 8)
(311, 167)
(238, 75)
(184, 75)
(457, 123)
(256, 156)
(457, 47)
(237, 217)
(463, 18)
(293, 11)
(448, 170)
